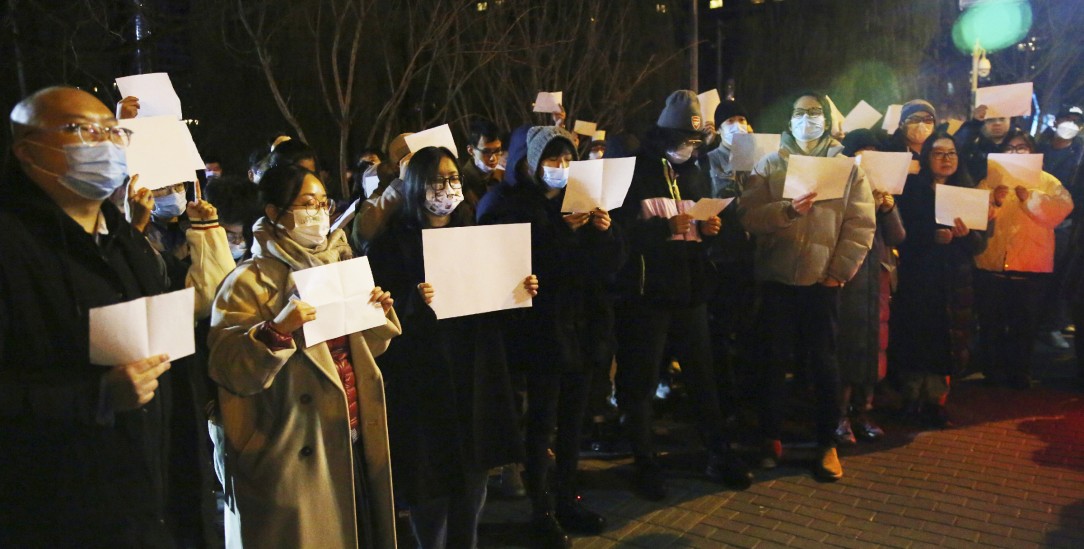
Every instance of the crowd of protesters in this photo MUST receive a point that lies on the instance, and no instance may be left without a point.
(261, 440)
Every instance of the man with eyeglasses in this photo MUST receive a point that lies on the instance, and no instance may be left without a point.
(82, 447)
(482, 170)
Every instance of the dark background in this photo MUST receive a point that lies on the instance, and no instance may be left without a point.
(350, 73)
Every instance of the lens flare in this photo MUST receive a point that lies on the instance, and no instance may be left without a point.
(994, 24)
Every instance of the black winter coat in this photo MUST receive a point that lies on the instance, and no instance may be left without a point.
(931, 320)
(449, 396)
(661, 270)
(65, 479)
(570, 323)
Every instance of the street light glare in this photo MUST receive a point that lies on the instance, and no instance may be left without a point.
(993, 24)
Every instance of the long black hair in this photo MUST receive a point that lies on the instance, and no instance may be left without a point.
(424, 166)
(959, 179)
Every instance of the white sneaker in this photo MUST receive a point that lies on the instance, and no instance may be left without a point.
(1054, 339)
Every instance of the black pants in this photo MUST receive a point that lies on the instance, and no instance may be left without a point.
(800, 321)
(643, 331)
(1008, 308)
(554, 399)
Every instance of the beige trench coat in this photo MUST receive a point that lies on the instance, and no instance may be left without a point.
(287, 459)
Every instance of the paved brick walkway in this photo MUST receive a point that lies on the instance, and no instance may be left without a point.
(1010, 474)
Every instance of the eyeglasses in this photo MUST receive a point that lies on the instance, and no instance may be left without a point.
(919, 120)
(91, 133)
(941, 155)
(1018, 149)
(440, 183)
(489, 153)
(312, 207)
(815, 111)
(692, 143)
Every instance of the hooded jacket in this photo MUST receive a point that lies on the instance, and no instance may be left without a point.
(661, 269)
(831, 240)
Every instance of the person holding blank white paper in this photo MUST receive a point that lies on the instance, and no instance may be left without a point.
(568, 330)
(450, 404)
(930, 328)
(663, 290)
(1014, 270)
(82, 446)
(980, 137)
(806, 250)
(303, 443)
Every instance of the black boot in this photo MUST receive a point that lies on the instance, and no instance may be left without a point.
(547, 530)
(726, 468)
(574, 517)
(648, 479)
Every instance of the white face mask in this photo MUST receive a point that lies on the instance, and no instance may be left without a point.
(238, 250)
(681, 155)
(1067, 129)
(595, 155)
(310, 230)
(555, 178)
(481, 165)
(807, 128)
(730, 129)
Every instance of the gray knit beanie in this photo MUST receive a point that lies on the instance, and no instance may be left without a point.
(538, 137)
(917, 105)
(682, 112)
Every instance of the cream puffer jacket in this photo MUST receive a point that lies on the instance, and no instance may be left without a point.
(831, 240)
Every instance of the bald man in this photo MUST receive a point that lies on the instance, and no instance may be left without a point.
(82, 447)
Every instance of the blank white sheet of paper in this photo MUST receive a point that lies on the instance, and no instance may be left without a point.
(708, 207)
(1014, 169)
(749, 148)
(886, 171)
(583, 127)
(340, 293)
(1005, 101)
(862, 116)
(346, 217)
(439, 136)
(970, 205)
(161, 152)
(827, 177)
(892, 118)
(709, 101)
(601, 183)
(156, 94)
(548, 102)
(127, 332)
(476, 270)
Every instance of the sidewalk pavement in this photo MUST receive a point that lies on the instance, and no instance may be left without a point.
(1009, 474)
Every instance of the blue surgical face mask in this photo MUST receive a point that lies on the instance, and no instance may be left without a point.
(555, 178)
(169, 206)
(94, 171)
